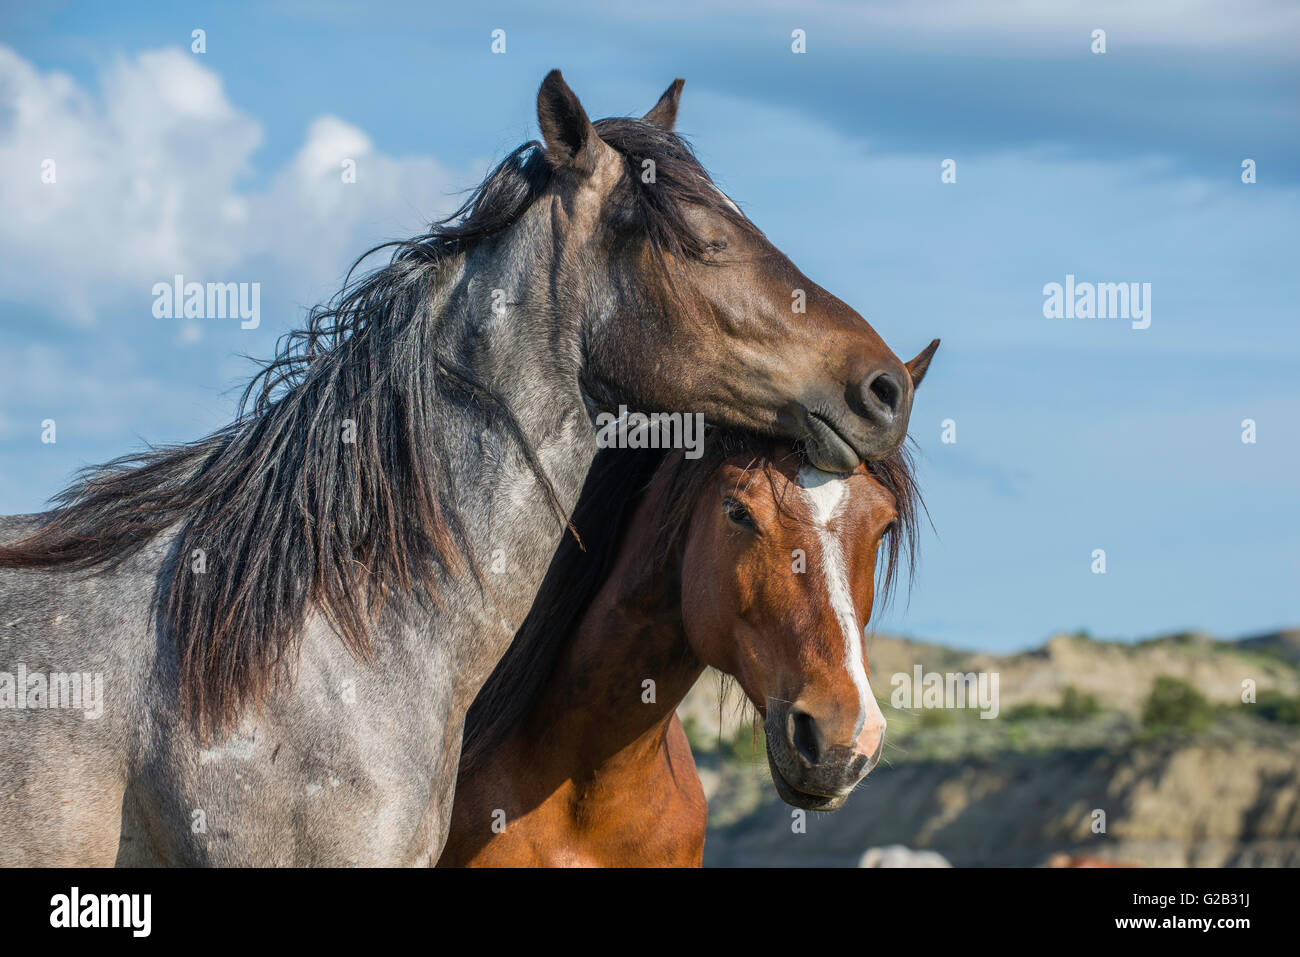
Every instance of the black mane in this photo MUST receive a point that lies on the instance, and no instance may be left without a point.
(287, 518)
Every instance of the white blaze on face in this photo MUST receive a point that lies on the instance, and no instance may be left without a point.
(826, 495)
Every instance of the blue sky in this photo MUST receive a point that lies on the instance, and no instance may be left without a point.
(1072, 435)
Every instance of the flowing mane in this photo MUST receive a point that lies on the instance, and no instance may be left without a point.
(286, 516)
(616, 484)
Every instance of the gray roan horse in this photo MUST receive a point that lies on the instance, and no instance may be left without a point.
(292, 615)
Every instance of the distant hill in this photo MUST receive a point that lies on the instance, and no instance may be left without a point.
(1179, 804)
(1015, 790)
(1283, 644)
(1118, 674)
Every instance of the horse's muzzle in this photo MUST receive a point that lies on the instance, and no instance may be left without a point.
(806, 771)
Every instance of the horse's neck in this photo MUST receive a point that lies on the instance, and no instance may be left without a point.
(499, 320)
(598, 707)
(497, 323)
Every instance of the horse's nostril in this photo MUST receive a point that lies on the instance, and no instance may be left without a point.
(804, 737)
(886, 390)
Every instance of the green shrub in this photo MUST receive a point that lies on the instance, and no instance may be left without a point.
(1074, 706)
(1077, 706)
(1174, 704)
(1029, 711)
(748, 743)
(696, 736)
(1276, 707)
(934, 718)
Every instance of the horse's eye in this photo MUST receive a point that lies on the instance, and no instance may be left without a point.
(716, 246)
(737, 514)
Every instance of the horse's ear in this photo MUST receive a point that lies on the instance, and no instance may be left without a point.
(664, 113)
(570, 138)
(916, 368)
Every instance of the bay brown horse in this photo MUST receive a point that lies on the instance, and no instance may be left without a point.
(753, 562)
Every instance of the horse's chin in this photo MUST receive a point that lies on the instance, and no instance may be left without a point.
(802, 799)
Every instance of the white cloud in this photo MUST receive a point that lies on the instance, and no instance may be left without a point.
(310, 217)
(149, 182)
